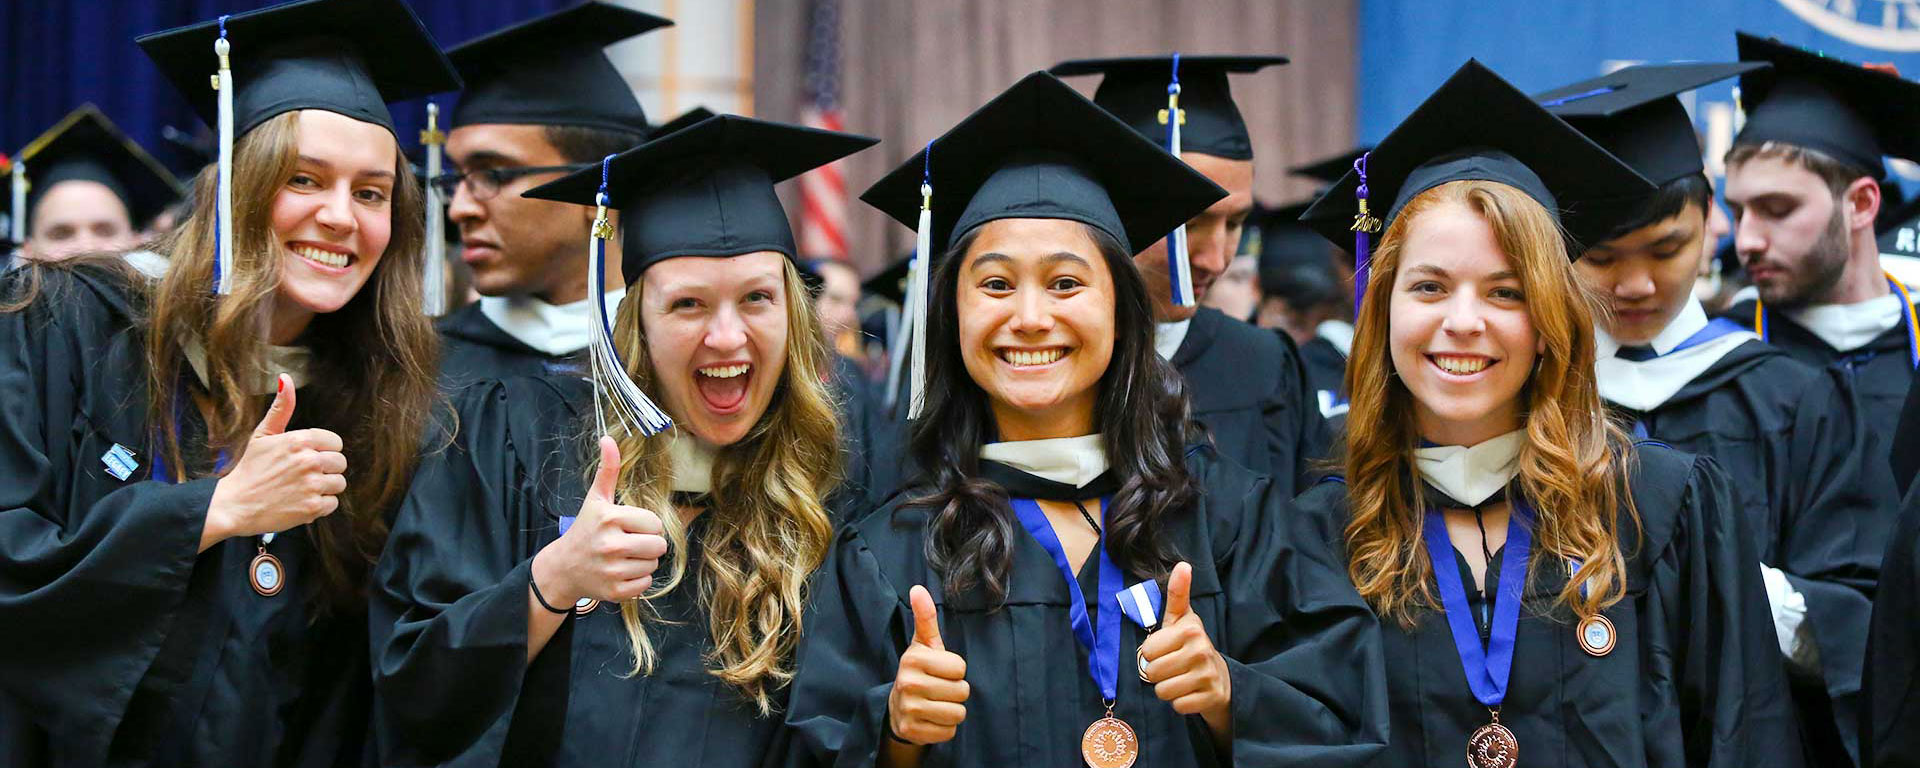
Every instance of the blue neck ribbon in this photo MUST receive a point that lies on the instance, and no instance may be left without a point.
(1488, 669)
(1103, 641)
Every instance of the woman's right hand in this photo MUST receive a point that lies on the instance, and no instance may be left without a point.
(610, 552)
(929, 697)
(283, 480)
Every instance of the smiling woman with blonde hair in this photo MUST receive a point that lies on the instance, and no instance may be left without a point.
(201, 463)
(652, 615)
(1550, 593)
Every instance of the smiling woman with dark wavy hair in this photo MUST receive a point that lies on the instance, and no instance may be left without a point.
(996, 611)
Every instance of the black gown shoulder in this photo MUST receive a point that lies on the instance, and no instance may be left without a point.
(1248, 388)
(1302, 657)
(120, 642)
(473, 349)
(1890, 719)
(1695, 677)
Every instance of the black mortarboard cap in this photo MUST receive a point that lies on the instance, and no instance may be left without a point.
(1134, 89)
(1041, 150)
(85, 145)
(686, 119)
(1636, 114)
(1295, 262)
(552, 71)
(350, 57)
(890, 283)
(706, 190)
(1855, 114)
(1479, 127)
(1329, 169)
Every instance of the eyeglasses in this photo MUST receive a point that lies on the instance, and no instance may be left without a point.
(483, 184)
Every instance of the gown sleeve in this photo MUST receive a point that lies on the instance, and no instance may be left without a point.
(448, 619)
(1731, 682)
(1294, 425)
(1890, 724)
(857, 626)
(93, 570)
(1303, 650)
(1832, 537)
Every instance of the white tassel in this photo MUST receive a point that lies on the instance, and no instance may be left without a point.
(433, 274)
(917, 296)
(223, 201)
(1180, 270)
(613, 389)
(17, 224)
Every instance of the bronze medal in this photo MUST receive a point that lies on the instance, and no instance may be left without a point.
(266, 574)
(585, 606)
(1493, 746)
(1109, 743)
(1596, 635)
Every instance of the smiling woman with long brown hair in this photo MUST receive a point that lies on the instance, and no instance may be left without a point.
(200, 463)
(651, 615)
(1549, 592)
(997, 611)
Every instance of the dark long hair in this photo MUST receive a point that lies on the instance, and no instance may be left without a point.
(1141, 410)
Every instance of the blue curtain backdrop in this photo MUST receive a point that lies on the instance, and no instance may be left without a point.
(58, 54)
(1407, 47)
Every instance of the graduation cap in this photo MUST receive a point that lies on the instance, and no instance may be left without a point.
(1143, 91)
(1329, 169)
(1636, 114)
(706, 190)
(890, 283)
(686, 119)
(552, 70)
(349, 57)
(1479, 127)
(1039, 150)
(86, 146)
(1855, 114)
(1294, 260)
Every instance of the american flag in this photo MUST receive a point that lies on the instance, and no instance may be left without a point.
(823, 191)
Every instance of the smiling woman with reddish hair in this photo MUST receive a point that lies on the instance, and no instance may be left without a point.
(201, 464)
(1550, 593)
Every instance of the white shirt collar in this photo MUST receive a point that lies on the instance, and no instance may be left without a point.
(1847, 327)
(1168, 336)
(148, 263)
(1471, 475)
(1339, 333)
(1691, 319)
(692, 462)
(1075, 461)
(553, 330)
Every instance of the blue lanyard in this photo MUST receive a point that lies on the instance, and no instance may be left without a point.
(1488, 669)
(1102, 642)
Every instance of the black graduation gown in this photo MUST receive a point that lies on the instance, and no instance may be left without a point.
(1788, 433)
(474, 349)
(1247, 387)
(1326, 368)
(449, 616)
(1890, 724)
(1695, 677)
(1302, 654)
(120, 643)
(1905, 456)
(1879, 373)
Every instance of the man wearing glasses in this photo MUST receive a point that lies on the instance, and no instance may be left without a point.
(542, 100)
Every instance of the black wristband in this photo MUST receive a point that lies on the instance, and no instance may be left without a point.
(894, 737)
(535, 585)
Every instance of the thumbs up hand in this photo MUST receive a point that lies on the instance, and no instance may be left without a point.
(930, 689)
(1185, 669)
(612, 549)
(283, 479)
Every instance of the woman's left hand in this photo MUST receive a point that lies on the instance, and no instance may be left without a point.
(1185, 669)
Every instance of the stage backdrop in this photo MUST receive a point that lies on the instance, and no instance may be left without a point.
(1407, 47)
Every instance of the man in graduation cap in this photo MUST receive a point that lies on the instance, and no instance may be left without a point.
(90, 189)
(1245, 384)
(542, 100)
(1787, 429)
